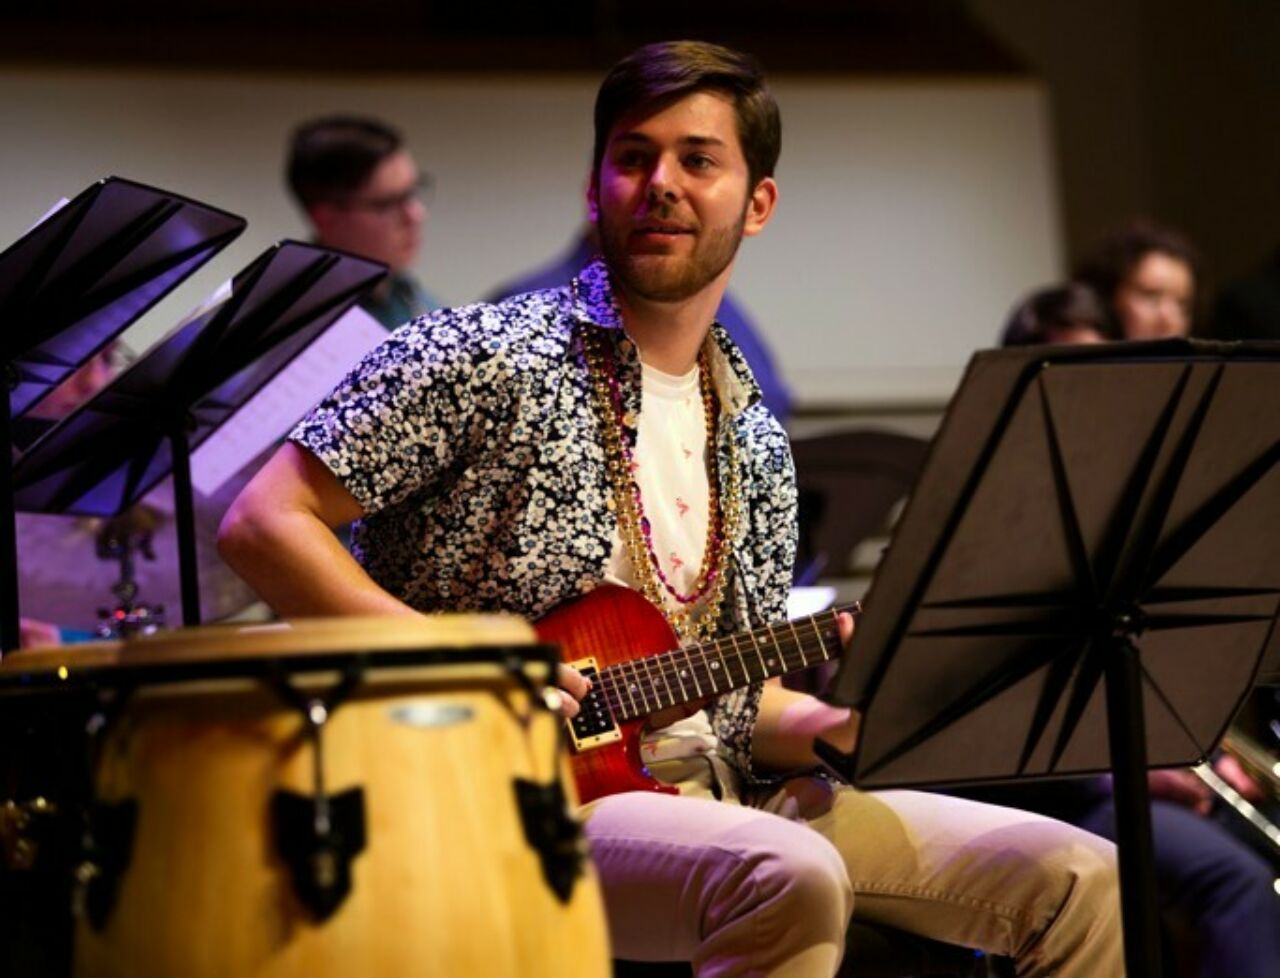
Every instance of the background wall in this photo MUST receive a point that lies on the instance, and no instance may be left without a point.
(1167, 108)
(913, 212)
(941, 156)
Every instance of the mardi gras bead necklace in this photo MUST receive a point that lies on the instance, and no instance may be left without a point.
(696, 614)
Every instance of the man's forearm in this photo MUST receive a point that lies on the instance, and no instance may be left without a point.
(299, 567)
(789, 722)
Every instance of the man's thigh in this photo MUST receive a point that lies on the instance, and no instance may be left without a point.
(666, 863)
(951, 869)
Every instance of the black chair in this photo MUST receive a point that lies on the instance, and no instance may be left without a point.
(849, 484)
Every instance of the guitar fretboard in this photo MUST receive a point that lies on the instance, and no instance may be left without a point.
(649, 684)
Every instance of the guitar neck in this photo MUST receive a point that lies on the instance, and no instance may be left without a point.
(650, 684)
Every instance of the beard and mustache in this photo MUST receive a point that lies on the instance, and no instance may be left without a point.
(659, 277)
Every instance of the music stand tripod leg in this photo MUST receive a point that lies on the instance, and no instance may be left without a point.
(1126, 731)
(9, 622)
(184, 517)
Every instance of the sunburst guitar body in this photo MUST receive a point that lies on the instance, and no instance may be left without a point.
(638, 670)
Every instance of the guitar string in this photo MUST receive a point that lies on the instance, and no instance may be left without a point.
(671, 669)
(613, 682)
(642, 687)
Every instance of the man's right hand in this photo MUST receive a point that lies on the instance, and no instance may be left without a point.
(573, 687)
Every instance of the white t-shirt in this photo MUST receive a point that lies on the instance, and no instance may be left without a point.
(671, 469)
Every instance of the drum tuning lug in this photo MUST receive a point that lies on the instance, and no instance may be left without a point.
(319, 852)
(553, 833)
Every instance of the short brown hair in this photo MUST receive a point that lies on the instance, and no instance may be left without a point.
(1037, 317)
(331, 157)
(656, 75)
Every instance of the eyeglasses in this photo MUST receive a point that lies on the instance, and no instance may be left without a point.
(391, 204)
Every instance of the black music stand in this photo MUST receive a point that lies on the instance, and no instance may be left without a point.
(1086, 578)
(111, 451)
(72, 284)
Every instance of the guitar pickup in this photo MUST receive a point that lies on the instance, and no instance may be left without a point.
(594, 725)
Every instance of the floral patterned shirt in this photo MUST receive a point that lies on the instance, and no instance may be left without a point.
(470, 440)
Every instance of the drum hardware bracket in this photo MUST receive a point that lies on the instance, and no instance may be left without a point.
(319, 861)
(107, 828)
(552, 832)
(106, 847)
(318, 835)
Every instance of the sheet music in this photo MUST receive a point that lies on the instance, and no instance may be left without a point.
(269, 415)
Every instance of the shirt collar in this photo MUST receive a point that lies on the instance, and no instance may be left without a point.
(592, 301)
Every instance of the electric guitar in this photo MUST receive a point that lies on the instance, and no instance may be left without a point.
(623, 644)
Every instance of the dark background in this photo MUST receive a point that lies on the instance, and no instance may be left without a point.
(1163, 108)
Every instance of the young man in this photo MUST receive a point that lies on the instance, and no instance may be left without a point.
(362, 192)
(503, 457)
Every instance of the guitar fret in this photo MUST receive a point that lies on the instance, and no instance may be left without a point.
(627, 685)
(822, 646)
(764, 668)
(653, 688)
(693, 672)
(675, 670)
(795, 637)
(708, 673)
(643, 680)
(662, 674)
(742, 662)
(711, 667)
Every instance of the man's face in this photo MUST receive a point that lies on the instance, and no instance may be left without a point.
(383, 219)
(671, 199)
(1155, 300)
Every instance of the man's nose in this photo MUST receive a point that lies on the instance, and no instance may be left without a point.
(663, 184)
(414, 211)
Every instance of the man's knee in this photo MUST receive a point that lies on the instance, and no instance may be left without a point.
(806, 883)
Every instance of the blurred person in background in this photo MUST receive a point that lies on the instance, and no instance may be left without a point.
(1148, 277)
(1071, 313)
(362, 192)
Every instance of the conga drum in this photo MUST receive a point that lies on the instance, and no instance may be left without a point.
(350, 796)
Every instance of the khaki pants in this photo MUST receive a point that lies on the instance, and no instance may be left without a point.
(766, 885)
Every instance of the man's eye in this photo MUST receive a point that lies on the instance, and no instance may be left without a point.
(629, 158)
(698, 161)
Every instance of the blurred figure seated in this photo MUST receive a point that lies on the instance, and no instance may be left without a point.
(1147, 277)
(1071, 313)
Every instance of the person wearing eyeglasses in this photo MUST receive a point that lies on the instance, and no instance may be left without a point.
(362, 192)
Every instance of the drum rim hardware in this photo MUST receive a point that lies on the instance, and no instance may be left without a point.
(319, 835)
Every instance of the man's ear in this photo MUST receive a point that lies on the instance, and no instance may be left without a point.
(760, 206)
(321, 215)
(593, 197)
